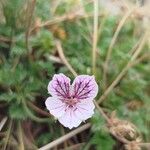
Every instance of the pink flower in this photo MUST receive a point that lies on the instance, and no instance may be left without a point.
(71, 104)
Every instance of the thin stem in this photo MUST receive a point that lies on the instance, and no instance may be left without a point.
(63, 133)
(95, 35)
(32, 116)
(32, 6)
(102, 112)
(121, 23)
(65, 137)
(63, 18)
(120, 139)
(124, 70)
(146, 145)
(144, 57)
(2, 123)
(86, 19)
(38, 110)
(21, 146)
(7, 135)
(74, 147)
(65, 61)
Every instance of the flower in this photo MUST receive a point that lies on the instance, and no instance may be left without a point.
(71, 104)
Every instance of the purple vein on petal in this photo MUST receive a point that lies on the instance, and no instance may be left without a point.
(57, 107)
(82, 108)
(57, 91)
(86, 85)
(67, 86)
(59, 84)
(78, 87)
(86, 93)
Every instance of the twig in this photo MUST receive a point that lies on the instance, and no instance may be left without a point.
(62, 56)
(95, 34)
(20, 136)
(134, 47)
(102, 112)
(64, 18)
(65, 137)
(140, 59)
(4, 39)
(144, 145)
(29, 23)
(124, 70)
(86, 19)
(74, 147)
(120, 139)
(54, 59)
(68, 16)
(38, 110)
(121, 23)
(32, 116)
(2, 123)
(7, 135)
(63, 133)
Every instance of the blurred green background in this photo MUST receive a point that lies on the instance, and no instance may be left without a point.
(29, 57)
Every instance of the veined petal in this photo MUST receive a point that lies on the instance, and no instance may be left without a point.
(59, 86)
(84, 87)
(85, 109)
(55, 106)
(69, 119)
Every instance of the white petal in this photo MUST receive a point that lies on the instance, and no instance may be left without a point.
(69, 119)
(55, 106)
(85, 109)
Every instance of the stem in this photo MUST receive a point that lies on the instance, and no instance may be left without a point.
(124, 70)
(95, 34)
(38, 110)
(20, 136)
(102, 112)
(120, 139)
(7, 135)
(29, 23)
(65, 61)
(32, 116)
(65, 137)
(2, 123)
(121, 23)
(146, 145)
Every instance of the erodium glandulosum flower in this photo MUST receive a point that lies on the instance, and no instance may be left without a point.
(71, 104)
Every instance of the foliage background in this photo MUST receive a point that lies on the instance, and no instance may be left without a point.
(29, 57)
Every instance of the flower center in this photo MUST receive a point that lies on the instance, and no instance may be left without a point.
(71, 102)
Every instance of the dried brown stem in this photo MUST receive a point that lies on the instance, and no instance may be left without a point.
(7, 135)
(38, 110)
(65, 137)
(29, 23)
(121, 23)
(63, 58)
(124, 70)
(74, 147)
(20, 135)
(2, 123)
(95, 35)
